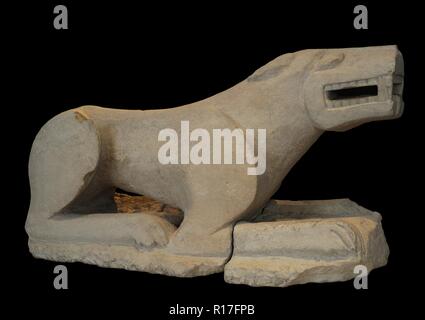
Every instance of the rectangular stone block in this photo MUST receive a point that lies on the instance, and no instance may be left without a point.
(294, 242)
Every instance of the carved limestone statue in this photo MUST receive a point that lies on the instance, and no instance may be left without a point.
(81, 156)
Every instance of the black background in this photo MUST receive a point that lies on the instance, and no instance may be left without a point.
(133, 55)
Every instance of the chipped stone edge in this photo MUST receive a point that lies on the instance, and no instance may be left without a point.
(156, 261)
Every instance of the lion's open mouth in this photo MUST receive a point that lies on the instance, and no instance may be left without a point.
(351, 93)
(354, 92)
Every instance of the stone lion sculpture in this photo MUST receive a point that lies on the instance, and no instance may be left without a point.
(81, 156)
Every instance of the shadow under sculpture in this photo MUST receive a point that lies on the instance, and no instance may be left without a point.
(81, 156)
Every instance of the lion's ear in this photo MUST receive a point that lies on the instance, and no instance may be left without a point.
(330, 61)
(273, 68)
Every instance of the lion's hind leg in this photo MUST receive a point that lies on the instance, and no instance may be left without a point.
(63, 160)
(71, 201)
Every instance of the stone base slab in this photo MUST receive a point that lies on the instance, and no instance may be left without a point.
(290, 242)
(157, 261)
(295, 242)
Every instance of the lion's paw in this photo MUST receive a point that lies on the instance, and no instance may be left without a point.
(151, 231)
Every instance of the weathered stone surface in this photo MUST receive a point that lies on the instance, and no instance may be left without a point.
(296, 242)
(127, 257)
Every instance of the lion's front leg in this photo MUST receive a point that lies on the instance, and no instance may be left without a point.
(141, 230)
